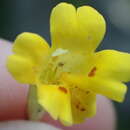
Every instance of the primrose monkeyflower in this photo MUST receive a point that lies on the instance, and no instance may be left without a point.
(65, 78)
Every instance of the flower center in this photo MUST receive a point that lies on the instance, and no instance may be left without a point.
(62, 61)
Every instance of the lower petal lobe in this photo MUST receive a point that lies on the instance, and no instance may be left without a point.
(112, 69)
(113, 64)
(56, 101)
(31, 45)
(22, 69)
(30, 51)
(83, 104)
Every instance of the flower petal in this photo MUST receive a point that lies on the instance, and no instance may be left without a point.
(72, 30)
(63, 26)
(83, 105)
(112, 68)
(113, 64)
(92, 27)
(56, 101)
(32, 46)
(30, 52)
(22, 69)
(111, 88)
(114, 90)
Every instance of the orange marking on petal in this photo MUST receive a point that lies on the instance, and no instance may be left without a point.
(92, 72)
(83, 109)
(77, 106)
(63, 89)
(87, 92)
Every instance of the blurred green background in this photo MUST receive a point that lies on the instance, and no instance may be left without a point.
(18, 16)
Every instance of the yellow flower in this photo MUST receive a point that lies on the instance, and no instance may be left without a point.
(67, 76)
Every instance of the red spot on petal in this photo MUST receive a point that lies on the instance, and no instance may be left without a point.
(87, 92)
(77, 106)
(83, 109)
(92, 72)
(63, 89)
